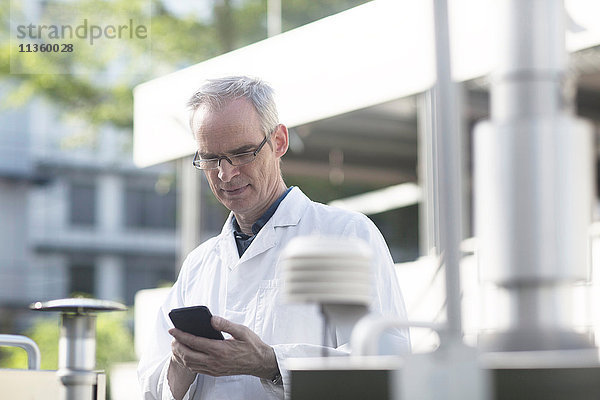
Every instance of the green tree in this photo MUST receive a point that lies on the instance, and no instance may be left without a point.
(175, 42)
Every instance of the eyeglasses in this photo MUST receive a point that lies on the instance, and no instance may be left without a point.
(235, 160)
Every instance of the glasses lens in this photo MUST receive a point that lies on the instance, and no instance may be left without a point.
(241, 159)
(206, 164)
(236, 160)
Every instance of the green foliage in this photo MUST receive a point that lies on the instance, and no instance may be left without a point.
(45, 333)
(113, 340)
(114, 343)
(84, 82)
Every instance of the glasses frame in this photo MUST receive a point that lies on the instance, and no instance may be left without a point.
(218, 159)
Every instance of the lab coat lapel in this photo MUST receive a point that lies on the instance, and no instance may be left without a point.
(228, 251)
(262, 242)
(288, 214)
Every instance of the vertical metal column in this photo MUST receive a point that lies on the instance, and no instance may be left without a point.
(190, 204)
(533, 180)
(77, 355)
(429, 239)
(448, 149)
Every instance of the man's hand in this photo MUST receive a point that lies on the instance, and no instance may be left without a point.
(244, 354)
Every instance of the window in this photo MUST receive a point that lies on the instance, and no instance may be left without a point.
(81, 279)
(82, 204)
(147, 272)
(146, 208)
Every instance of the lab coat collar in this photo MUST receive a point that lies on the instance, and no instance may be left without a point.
(288, 213)
(290, 210)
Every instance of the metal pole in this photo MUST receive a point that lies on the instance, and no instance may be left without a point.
(190, 204)
(33, 351)
(427, 163)
(77, 355)
(449, 152)
(529, 78)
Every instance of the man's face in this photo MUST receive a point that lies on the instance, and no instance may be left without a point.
(247, 190)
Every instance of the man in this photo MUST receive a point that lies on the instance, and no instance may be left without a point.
(236, 274)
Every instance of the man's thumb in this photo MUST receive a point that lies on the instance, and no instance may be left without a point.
(235, 330)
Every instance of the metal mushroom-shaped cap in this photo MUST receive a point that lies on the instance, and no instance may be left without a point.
(78, 305)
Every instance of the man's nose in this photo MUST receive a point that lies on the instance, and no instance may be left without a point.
(227, 171)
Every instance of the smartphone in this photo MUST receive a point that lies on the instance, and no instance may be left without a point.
(195, 320)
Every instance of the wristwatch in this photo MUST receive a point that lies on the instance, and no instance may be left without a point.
(277, 379)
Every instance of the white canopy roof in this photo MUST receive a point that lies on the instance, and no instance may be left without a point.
(379, 51)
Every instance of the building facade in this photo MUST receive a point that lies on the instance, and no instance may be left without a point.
(76, 216)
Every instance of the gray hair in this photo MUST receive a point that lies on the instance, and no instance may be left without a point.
(216, 93)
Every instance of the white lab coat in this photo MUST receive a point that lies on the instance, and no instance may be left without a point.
(247, 291)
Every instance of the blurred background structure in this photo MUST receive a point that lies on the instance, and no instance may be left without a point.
(78, 220)
(78, 216)
(360, 108)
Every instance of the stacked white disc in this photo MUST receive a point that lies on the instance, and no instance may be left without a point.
(327, 270)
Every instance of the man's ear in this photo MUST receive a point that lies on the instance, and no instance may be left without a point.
(281, 140)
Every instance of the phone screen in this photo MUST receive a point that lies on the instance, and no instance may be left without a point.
(195, 320)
